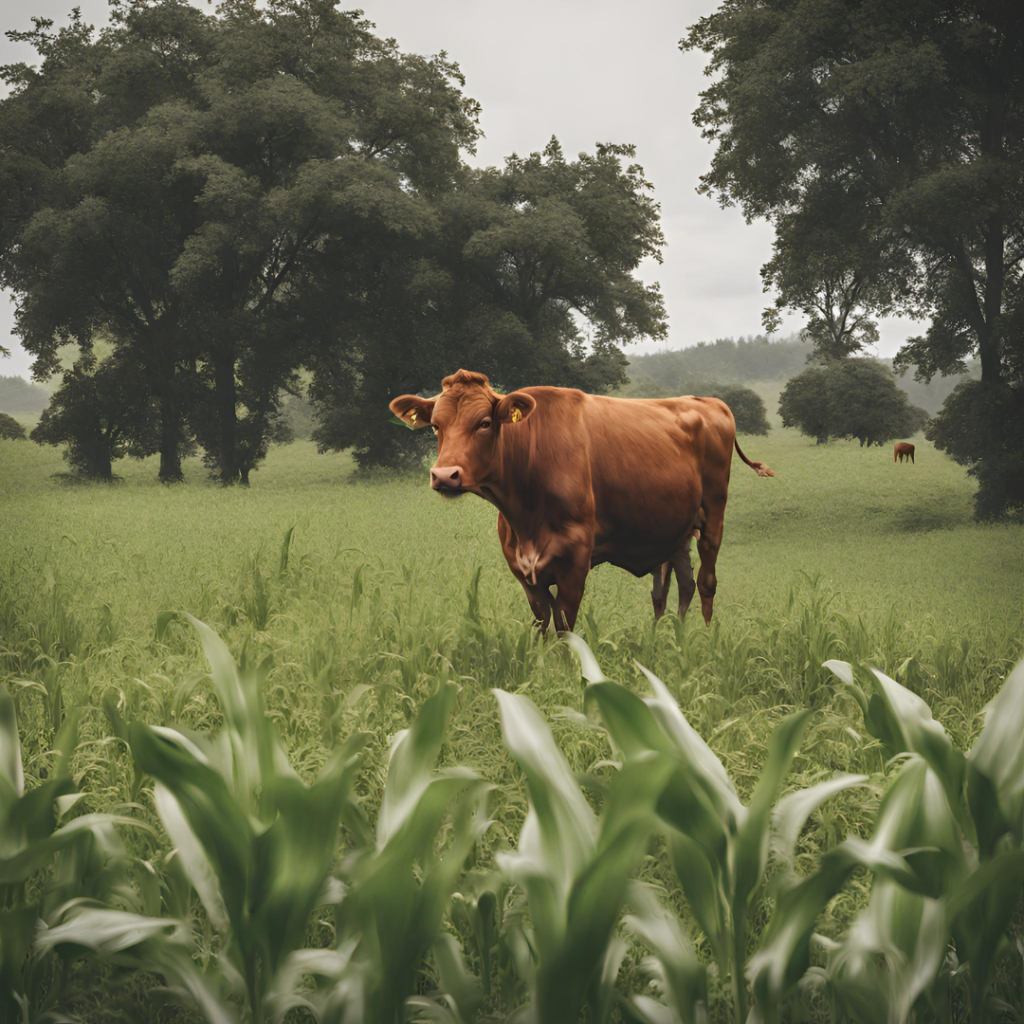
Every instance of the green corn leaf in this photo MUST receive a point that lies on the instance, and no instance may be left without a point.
(162, 945)
(588, 663)
(890, 956)
(792, 811)
(681, 976)
(12, 779)
(981, 909)
(689, 746)
(995, 785)
(560, 828)
(904, 723)
(414, 755)
(18, 868)
(455, 981)
(750, 856)
(210, 811)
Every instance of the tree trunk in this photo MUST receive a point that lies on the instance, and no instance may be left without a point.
(995, 275)
(227, 418)
(98, 465)
(170, 436)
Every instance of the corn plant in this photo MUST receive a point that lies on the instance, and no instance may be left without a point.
(395, 886)
(720, 848)
(255, 841)
(37, 828)
(964, 821)
(574, 870)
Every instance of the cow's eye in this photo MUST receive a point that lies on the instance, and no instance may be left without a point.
(485, 424)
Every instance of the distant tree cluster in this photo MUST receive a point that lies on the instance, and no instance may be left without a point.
(885, 144)
(729, 360)
(849, 398)
(18, 395)
(236, 201)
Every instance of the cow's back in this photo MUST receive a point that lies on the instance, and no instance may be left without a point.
(651, 461)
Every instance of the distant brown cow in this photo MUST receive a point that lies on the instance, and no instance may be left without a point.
(582, 479)
(903, 450)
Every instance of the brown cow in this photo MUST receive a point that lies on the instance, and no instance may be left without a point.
(903, 450)
(582, 479)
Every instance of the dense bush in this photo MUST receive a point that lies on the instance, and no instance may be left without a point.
(981, 426)
(10, 428)
(746, 405)
(849, 398)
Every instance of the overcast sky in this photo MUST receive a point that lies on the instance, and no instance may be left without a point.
(587, 71)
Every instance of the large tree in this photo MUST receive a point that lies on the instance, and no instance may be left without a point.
(911, 117)
(225, 172)
(529, 276)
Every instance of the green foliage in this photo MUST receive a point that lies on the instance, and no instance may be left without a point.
(855, 398)
(719, 847)
(18, 395)
(963, 828)
(515, 255)
(101, 412)
(10, 428)
(801, 92)
(981, 426)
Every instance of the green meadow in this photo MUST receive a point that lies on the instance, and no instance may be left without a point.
(369, 596)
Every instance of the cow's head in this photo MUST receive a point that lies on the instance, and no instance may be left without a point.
(468, 418)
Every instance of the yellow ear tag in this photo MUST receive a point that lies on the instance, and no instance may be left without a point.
(516, 415)
(412, 416)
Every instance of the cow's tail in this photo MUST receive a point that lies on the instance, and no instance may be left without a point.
(759, 467)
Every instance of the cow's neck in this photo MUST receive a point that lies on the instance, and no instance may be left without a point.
(521, 487)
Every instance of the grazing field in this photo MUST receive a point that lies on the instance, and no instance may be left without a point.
(370, 595)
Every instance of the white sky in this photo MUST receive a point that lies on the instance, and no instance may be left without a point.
(587, 71)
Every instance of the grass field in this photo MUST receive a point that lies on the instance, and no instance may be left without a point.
(389, 591)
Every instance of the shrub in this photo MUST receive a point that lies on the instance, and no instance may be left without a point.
(10, 428)
(849, 398)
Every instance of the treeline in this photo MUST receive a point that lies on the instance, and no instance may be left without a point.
(17, 395)
(728, 361)
(241, 202)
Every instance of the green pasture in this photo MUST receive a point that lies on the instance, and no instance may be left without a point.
(369, 595)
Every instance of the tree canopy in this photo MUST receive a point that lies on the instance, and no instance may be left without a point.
(518, 263)
(902, 123)
(231, 198)
(885, 143)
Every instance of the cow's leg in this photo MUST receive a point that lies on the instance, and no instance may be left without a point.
(707, 547)
(662, 577)
(684, 576)
(541, 603)
(911, 456)
(571, 577)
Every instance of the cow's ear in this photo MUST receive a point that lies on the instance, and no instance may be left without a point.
(413, 410)
(514, 407)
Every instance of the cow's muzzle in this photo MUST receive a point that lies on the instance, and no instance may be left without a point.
(447, 479)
